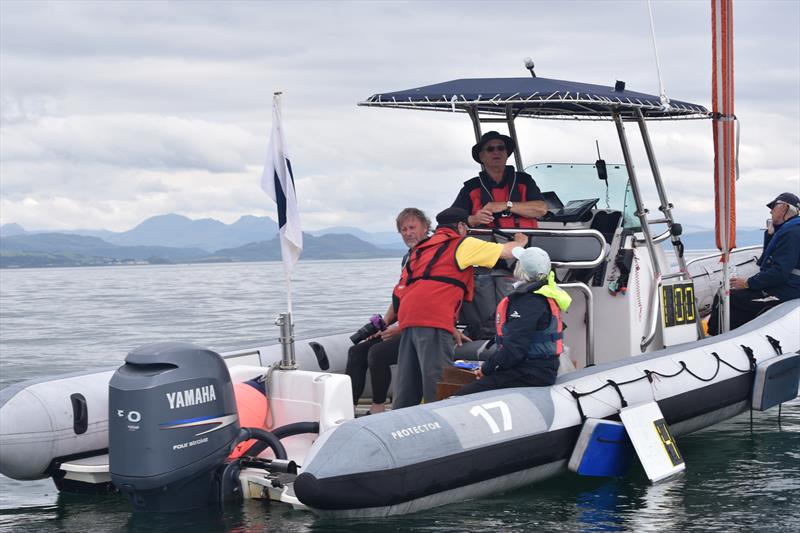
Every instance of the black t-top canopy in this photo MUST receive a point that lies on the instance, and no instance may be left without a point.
(535, 98)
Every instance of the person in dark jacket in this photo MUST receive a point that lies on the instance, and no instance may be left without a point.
(778, 278)
(529, 329)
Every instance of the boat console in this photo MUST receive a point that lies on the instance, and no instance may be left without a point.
(574, 211)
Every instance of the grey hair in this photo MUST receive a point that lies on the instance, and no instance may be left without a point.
(521, 275)
(412, 212)
(793, 210)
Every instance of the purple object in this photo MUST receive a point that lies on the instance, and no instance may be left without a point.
(378, 322)
(375, 324)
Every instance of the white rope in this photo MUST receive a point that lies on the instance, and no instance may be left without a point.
(663, 92)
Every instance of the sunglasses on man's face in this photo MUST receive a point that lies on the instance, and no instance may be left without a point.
(493, 147)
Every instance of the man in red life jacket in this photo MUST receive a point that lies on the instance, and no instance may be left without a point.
(500, 197)
(380, 351)
(529, 329)
(436, 279)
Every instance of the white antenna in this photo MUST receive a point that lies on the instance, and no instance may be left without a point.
(663, 92)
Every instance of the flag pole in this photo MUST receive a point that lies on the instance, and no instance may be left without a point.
(289, 293)
(286, 323)
(276, 97)
(277, 180)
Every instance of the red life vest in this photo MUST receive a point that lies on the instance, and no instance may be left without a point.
(545, 343)
(479, 196)
(432, 287)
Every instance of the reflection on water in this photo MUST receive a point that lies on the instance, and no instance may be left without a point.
(58, 320)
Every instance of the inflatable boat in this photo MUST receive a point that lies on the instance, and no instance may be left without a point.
(169, 427)
(473, 446)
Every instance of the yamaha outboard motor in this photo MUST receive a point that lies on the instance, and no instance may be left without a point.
(172, 423)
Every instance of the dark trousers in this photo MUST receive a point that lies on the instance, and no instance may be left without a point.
(745, 306)
(377, 356)
(424, 352)
(513, 377)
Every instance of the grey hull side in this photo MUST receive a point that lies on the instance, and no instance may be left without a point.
(514, 480)
(468, 446)
(469, 492)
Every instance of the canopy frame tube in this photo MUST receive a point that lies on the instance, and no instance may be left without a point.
(512, 131)
(641, 213)
(666, 206)
(477, 120)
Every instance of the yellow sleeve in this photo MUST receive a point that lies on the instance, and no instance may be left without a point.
(475, 252)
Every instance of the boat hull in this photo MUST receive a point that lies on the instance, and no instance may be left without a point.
(428, 455)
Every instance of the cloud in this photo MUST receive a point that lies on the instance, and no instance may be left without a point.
(113, 112)
(130, 141)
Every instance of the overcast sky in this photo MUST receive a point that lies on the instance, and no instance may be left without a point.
(113, 112)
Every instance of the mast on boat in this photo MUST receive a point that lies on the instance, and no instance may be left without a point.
(725, 156)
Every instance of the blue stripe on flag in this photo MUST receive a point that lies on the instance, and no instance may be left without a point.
(280, 194)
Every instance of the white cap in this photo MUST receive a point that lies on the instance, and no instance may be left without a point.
(534, 261)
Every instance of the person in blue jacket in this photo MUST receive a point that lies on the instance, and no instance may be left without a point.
(778, 279)
(529, 334)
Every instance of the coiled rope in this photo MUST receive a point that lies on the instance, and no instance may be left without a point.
(648, 375)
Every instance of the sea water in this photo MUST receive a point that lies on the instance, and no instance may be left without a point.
(739, 475)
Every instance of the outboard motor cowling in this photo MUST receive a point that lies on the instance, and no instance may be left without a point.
(172, 424)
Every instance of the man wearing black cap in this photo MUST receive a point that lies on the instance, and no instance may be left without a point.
(436, 279)
(778, 279)
(499, 197)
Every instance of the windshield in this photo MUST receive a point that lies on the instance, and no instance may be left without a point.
(579, 181)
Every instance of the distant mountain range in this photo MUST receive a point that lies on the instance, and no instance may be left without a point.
(706, 239)
(329, 246)
(57, 249)
(176, 238)
(207, 234)
(384, 239)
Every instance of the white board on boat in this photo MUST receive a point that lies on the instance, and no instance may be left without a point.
(652, 440)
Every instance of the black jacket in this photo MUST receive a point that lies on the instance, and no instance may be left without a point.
(527, 313)
(779, 271)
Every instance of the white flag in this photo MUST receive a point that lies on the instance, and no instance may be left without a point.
(277, 181)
